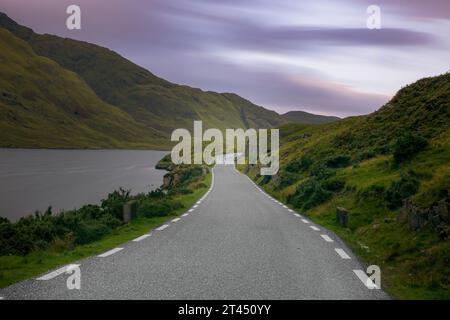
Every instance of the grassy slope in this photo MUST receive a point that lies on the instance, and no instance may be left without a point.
(152, 101)
(414, 264)
(18, 268)
(44, 105)
(308, 118)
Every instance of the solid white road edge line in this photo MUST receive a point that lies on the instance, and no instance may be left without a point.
(145, 236)
(326, 238)
(110, 252)
(365, 279)
(342, 253)
(57, 272)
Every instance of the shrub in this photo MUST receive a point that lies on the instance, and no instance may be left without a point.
(321, 172)
(399, 190)
(159, 208)
(309, 194)
(407, 146)
(114, 202)
(286, 179)
(334, 185)
(339, 161)
(298, 165)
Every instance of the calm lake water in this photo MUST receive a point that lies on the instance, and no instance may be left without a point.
(65, 179)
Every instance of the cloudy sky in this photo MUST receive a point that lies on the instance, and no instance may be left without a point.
(312, 55)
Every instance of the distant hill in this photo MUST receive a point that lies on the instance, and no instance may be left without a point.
(391, 171)
(152, 102)
(308, 118)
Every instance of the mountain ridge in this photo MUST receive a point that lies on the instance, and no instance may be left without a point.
(152, 102)
(304, 117)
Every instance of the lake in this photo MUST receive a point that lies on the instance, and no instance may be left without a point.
(33, 180)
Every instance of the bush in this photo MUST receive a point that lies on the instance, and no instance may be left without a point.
(339, 161)
(160, 208)
(114, 202)
(298, 165)
(399, 190)
(408, 145)
(334, 185)
(286, 179)
(309, 194)
(321, 172)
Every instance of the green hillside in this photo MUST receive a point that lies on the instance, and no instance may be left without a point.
(43, 105)
(151, 101)
(391, 171)
(308, 118)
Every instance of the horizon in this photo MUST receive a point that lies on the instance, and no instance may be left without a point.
(326, 61)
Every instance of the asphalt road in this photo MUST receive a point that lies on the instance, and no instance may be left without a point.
(237, 243)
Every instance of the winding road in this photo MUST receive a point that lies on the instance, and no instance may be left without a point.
(235, 243)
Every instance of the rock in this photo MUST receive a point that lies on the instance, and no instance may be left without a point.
(436, 216)
(342, 216)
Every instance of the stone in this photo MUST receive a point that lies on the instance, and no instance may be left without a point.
(342, 216)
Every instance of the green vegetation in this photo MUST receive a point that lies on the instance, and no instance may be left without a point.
(74, 94)
(79, 95)
(308, 118)
(371, 165)
(38, 243)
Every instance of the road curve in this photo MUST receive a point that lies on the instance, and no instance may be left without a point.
(237, 243)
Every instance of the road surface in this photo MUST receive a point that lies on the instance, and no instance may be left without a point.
(236, 243)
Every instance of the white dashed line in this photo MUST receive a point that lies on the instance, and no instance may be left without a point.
(176, 219)
(110, 252)
(365, 279)
(326, 238)
(305, 221)
(1, 298)
(145, 236)
(298, 216)
(314, 228)
(342, 253)
(164, 226)
(290, 210)
(185, 215)
(285, 207)
(198, 202)
(190, 210)
(57, 272)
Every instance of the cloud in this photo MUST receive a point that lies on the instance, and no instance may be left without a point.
(282, 54)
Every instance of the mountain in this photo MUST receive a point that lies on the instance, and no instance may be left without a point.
(391, 171)
(308, 118)
(150, 101)
(44, 105)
